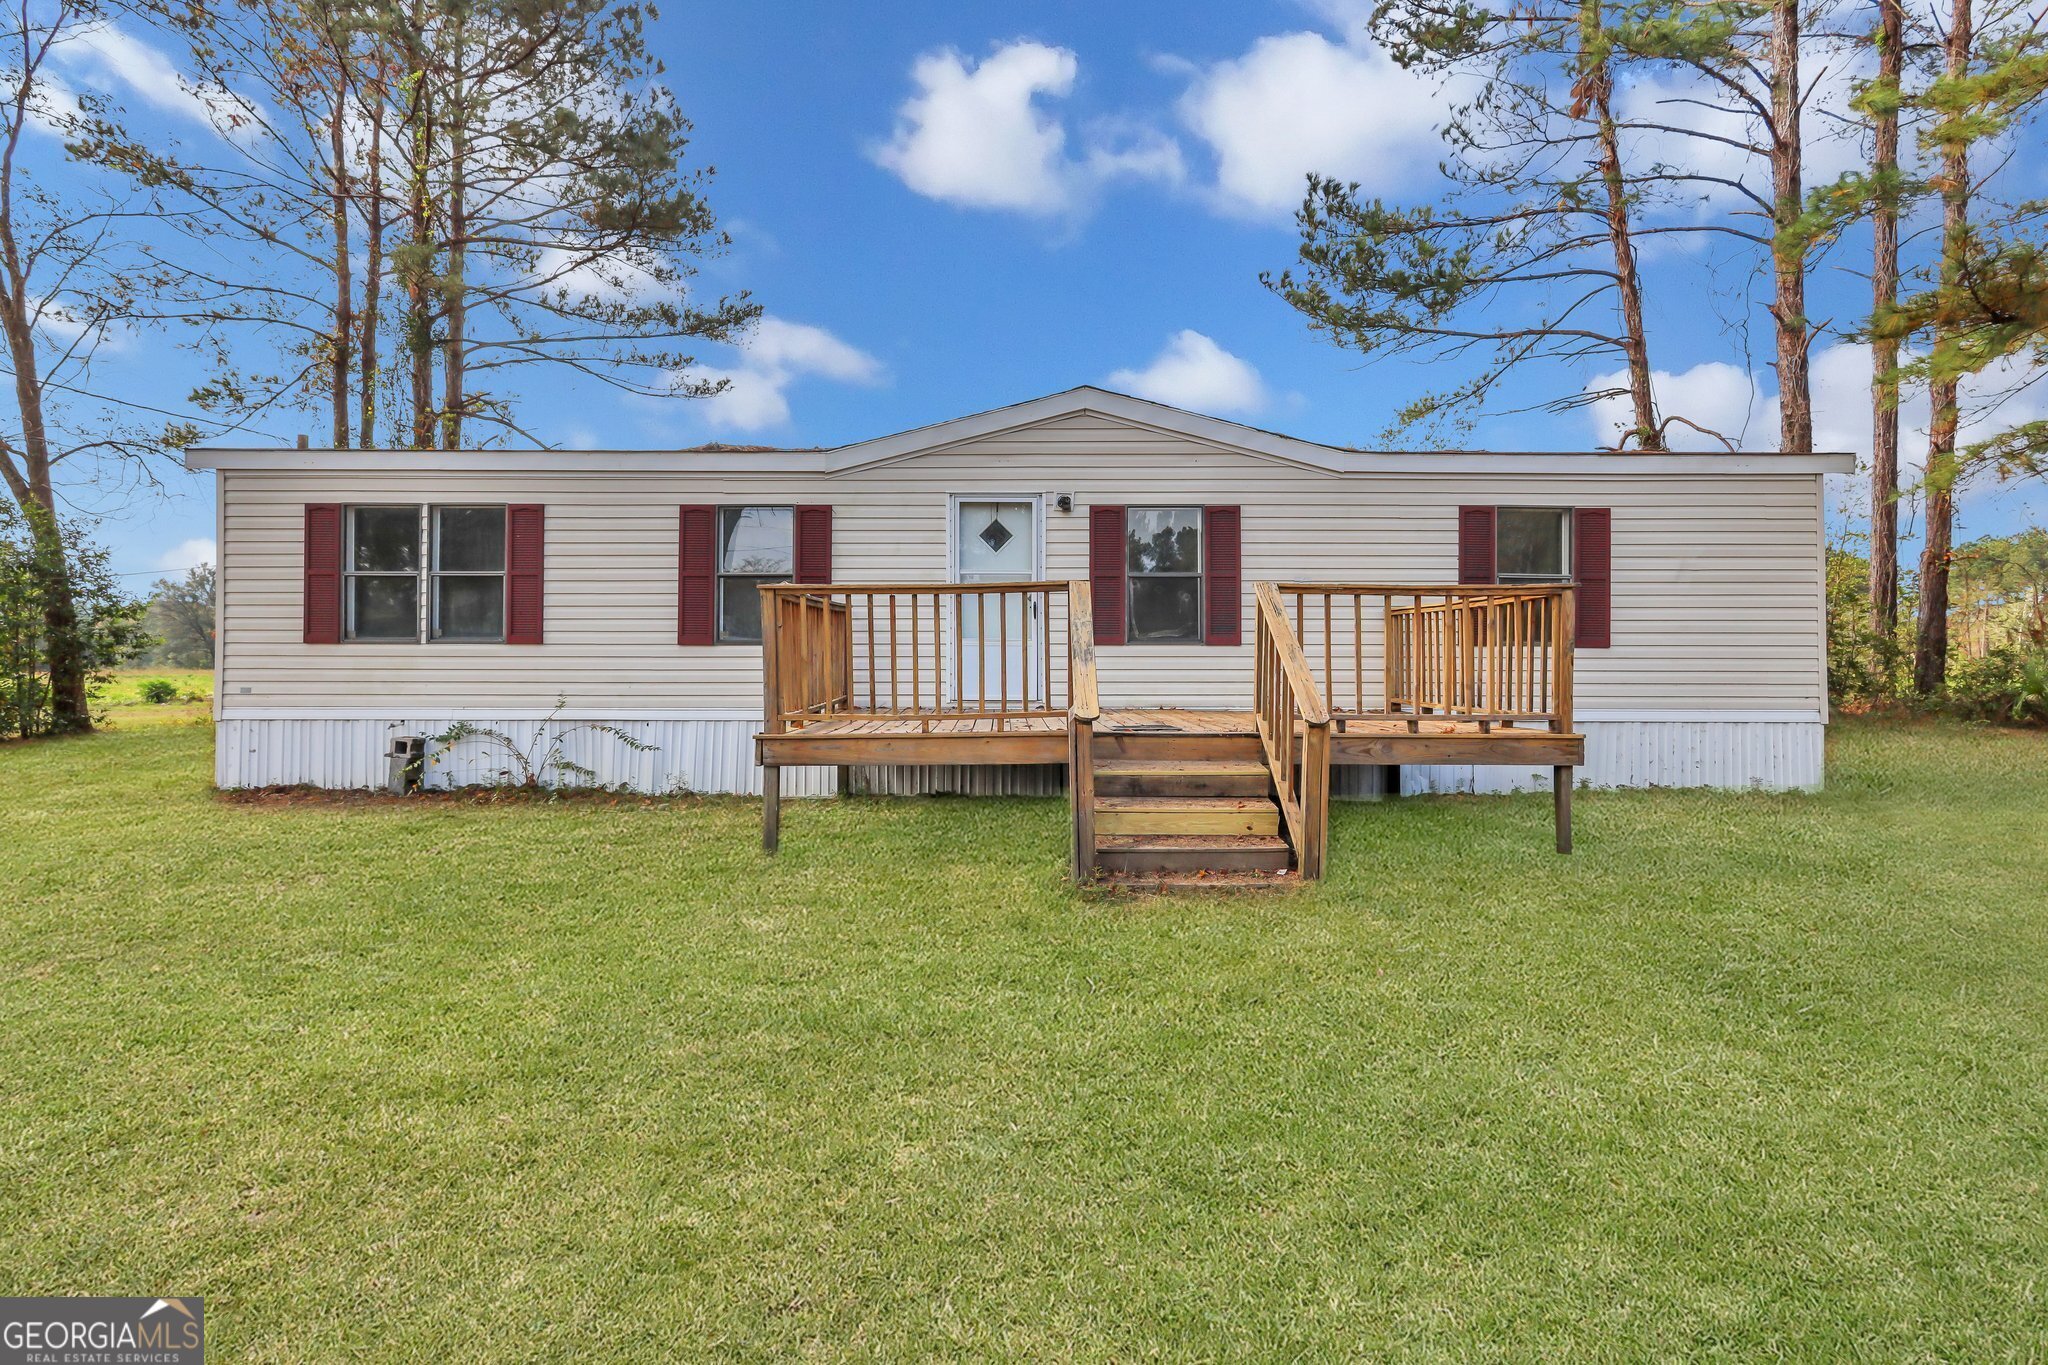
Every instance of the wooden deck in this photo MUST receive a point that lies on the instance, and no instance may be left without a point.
(965, 674)
(1377, 739)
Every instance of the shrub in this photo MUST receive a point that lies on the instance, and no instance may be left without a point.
(2006, 685)
(159, 691)
(539, 764)
(1864, 665)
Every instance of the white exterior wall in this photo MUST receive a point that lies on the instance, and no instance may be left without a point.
(1717, 600)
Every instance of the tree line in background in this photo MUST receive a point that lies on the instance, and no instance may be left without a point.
(404, 207)
(1998, 616)
(1530, 262)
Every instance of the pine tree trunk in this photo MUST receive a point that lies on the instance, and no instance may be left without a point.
(419, 305)
(1788, 260)
(1930, 644)
(1884, 352)
(1635, 339)
(454, 301)
(338, 361)
(371, 313)
(420, 247)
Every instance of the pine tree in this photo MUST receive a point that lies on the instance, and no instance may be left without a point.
(1531, 259)
(467, 187)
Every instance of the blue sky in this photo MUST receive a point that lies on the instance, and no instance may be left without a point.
(946, 208)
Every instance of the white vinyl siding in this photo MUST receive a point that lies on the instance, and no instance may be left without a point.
(1717, 577)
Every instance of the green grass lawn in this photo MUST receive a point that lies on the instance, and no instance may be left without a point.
(121, 702)
(1748, 1076)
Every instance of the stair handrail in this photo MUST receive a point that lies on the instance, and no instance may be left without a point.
(1286, 693)
(1084, 708)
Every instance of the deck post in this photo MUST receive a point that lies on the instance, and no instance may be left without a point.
(1081, 793)
(771, 807)
(1084, 708)
(1561, 805)
(1315, 800)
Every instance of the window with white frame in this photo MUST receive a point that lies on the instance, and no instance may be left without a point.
(1532, 544)
(468, 591)
(382, 569)
(460, 577)
(1164, 570)
(756, 545)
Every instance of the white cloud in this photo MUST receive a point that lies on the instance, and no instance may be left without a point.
(1297, 102)
(1721, 397)
(801, 349)
(976, 135)
(1194, 372)
(2000, 397)
(189, 554)
(110, 59)
(615, 279)
(775, 356)
(51, 105)
(1344, 16)
(1698, 133)
(1734, 402)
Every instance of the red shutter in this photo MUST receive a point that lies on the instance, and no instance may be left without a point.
(322, 614)
(1223, 575)
(1106, 572)
(697, 581)
(525, 572)
(1593, 571)
(813, 543)
(1475, 545)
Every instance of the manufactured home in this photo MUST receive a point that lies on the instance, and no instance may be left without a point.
(1198, 629)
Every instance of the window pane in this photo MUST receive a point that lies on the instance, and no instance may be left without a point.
(755, 540)
(472, 539)
(1530, 542)
(470, 608)
(1165, 539)
(387, 539)
(386, 607)
(739, 609)
(1166, 609)
(995, 541)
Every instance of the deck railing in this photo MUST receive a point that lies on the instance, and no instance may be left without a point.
(1285, 695)
(1084, 710)
(1494, 654)
(928, 652)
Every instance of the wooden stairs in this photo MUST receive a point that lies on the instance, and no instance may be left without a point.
(1185, 805)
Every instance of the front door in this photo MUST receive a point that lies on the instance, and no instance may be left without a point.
(996, 541)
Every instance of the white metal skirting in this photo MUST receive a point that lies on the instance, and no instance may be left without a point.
(699, 754)
(1769, 755)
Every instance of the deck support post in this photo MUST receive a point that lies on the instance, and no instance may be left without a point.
(1561, 805)
(1081, 793)
(771, 807)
